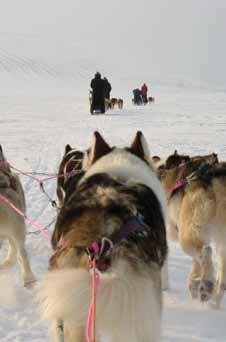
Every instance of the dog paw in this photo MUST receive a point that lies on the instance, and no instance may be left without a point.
(194, 288)
(223, 286)
(30, 284)
(206, 289)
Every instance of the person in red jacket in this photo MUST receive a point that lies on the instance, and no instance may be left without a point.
(144, 93)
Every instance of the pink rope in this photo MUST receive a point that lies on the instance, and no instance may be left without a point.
(32, 222)
(179, 184)
(40, 181)
(91, 320)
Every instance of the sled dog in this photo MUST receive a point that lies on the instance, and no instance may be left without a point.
(119, 204)
(114, 101)
(196, 191)
(151, 99)
(70, 169)
(12, 226)
(120, 103)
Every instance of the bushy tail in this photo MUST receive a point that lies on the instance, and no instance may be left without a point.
(128, 304)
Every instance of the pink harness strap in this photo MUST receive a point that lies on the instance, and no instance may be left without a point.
(179, 184)
(181, 181)
(18, 211)
(91, 320)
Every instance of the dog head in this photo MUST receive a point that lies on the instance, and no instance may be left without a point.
(70, 171)
(208, 158)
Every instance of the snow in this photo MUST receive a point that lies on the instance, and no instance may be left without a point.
(45, 71)
(34, 131)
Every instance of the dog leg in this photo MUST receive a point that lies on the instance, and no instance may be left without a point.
(221, 279)
(197, 210)
(27, 274)
(172, 231)
(194, 278)
(56, 331)
(165, 276)
(10, 259)
(206, 287)
(202, 279)
(74, 334)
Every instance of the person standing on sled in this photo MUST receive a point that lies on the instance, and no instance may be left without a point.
(144, 93)
(137, 96)
(97, 85)
(107, 88)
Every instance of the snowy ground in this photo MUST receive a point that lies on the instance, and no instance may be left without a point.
(34, 130)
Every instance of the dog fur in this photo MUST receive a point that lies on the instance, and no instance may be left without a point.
(113, 102)
(118, 183)
(197, 218)
(120, 103)
(71, 164)
(151, 99)
(12, 226)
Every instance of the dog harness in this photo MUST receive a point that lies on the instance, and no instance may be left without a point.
(97, 252)
(203, 173)
(100, 249)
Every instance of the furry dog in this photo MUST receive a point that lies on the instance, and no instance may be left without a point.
(107, 104)
(120, 103)
(119, 186)
(12, 226)
(70, 169)
(113, 102)
(151, 99)
(196, 191)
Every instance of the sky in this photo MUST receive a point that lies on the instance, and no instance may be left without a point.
(164, 39)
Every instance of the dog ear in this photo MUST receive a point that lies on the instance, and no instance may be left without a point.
(98, 149)
(68, 148)
(175, 153)
(1, 153)
(139, 146)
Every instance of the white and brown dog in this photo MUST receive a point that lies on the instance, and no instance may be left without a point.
(71, 169)
(119, 199)
(196, 190)
(12, 225)
(120, 103)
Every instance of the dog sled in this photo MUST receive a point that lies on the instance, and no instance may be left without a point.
(96, 107)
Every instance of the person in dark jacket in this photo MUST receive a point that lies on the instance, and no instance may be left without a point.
(97, 85)
(107, 88)
(137, 96)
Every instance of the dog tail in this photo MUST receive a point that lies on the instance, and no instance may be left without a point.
(128, 303)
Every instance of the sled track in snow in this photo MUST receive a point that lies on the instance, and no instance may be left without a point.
(28, 66)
